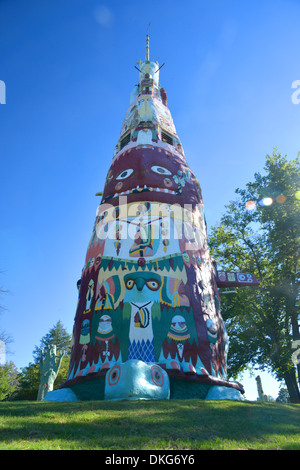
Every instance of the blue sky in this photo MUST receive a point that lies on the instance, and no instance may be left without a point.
(68, 67)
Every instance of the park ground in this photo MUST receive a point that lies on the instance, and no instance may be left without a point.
(149, 425)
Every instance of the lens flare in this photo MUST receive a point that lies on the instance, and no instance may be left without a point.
(266, 201)
(250, 205)
(281, 198)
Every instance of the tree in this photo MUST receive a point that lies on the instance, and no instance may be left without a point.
(8, 380)
(29, 379)
(260, 233)
(57, 335)
(283, 396)
(4, 336)
(63, 372)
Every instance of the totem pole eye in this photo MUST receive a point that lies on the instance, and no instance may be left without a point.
(157, 376)
(153, 285)
(114, 375)
(124, 174)
(129, 284)
(160, 170)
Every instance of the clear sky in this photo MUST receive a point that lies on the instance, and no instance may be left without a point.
(68, 68)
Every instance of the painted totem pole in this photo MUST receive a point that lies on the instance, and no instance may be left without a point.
(148, 322)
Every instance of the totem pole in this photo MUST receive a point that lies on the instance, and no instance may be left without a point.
(261, 395)
(148, 322)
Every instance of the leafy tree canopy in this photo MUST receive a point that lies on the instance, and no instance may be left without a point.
(57, 335)
(260, 234)
(8, 380)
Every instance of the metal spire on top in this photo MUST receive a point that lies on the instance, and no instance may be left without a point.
(147, 43)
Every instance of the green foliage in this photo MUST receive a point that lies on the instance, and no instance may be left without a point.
(263, 322)
(57, 335)
(283, 396)
(63, 372)
(8, 380)
(29, 379)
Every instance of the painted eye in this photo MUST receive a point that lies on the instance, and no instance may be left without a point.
(157, 376)
(160, 170)
(153, 285)
(124, 174)
(129, 284)
(114, 375)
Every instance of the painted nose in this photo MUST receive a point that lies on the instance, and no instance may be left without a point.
(141, 174)
(139, 282)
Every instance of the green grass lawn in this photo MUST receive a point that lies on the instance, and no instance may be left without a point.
(149, 425)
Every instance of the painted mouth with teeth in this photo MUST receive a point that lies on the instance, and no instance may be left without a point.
(143, 189)
(145, 174)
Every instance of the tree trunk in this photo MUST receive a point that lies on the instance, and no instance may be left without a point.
(292, 386)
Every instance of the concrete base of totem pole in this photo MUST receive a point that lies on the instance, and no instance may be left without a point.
(140, 381)
(223, 393)
(64, 394)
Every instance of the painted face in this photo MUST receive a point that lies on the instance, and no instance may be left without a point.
(178, 323)
(178, 329)
(151, 175)
(105, 324)
(142, 287)
(141, 280)
(211, 326)
(144, 380)
(85, 327)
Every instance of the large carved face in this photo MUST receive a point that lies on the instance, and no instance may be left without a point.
(151, 175)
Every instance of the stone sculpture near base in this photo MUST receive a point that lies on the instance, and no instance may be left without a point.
(49, 368)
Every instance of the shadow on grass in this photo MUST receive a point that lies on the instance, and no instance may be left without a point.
(174, 424)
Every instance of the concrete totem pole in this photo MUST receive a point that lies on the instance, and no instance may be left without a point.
(261, 395)
(148, 322)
